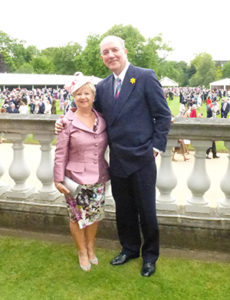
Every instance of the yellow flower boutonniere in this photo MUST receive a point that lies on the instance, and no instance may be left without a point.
(133, 80)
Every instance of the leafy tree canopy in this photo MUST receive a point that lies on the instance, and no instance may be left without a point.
(226, 70)
(15, 57)
(205, 70)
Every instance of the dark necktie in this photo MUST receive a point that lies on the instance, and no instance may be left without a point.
(117, 87)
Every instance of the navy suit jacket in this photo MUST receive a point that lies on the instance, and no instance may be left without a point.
(136, 122)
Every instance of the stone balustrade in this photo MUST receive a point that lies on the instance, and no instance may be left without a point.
(192, 222)
(200, 132)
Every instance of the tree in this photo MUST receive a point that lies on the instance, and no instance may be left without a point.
(30, 53)
(90, 62)
(6, 63)
(205, 70)
(183, 78)
(42, 65)
(64, 58)
(6, 60)
(149, 55)
(219, 74)
(174, 71)
(25, 68)
(226, 70)
(15, 57)
(13, 53)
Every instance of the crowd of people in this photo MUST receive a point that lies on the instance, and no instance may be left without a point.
(43, 101)
(34, 101)
(217, 104)
(217, 101)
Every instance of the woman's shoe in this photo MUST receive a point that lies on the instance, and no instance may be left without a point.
(94, 261)
(86, 268)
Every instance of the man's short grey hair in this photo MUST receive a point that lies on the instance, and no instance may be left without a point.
(112, 38)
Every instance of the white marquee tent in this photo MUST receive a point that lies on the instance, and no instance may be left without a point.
(167, 82)
(221, 84)
(33, 80)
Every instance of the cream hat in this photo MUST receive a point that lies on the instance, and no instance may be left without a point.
(78, 81)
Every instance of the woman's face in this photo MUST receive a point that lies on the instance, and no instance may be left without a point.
(84, 97)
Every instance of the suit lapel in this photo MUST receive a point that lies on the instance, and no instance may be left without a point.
(109, 100)
(126, 89)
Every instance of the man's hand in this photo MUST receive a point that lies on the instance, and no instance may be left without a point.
(155, 153)
(62, 189)
(59, 125)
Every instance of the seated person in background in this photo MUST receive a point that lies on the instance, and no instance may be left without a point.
(180, 149)
(193, 113)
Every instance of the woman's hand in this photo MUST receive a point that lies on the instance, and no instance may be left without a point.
(62, 189)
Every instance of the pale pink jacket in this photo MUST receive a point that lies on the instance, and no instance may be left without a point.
(80, 151)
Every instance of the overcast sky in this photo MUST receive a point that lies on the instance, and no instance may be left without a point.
(189, 27)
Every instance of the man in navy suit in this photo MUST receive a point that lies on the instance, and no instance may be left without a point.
(138, 121)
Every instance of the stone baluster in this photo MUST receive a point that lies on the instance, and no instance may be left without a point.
(224, 204)
(3, 187)
(18, 169)
(45, 170)
(199, 181)
(166, 180)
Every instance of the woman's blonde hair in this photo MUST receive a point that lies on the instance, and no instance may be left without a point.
(90, 85)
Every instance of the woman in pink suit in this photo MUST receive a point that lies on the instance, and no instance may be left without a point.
(79, 157)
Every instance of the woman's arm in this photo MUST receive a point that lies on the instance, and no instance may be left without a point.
(61, 158)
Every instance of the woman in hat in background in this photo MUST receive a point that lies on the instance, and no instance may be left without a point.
(79, 161)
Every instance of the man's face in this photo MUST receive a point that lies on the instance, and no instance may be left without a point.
(114, 56)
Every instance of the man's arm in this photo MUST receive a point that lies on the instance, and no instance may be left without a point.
(159, 110)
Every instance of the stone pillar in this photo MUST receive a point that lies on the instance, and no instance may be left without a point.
(166, 180)
(3, 188)
(224, 204)
(198, 182)
(45, 170)
(19, 170)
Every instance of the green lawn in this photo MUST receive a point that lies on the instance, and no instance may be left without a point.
(37, 270)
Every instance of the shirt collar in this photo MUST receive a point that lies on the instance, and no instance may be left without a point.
(122, 74)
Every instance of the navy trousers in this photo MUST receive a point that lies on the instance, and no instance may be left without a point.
(136, 212)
